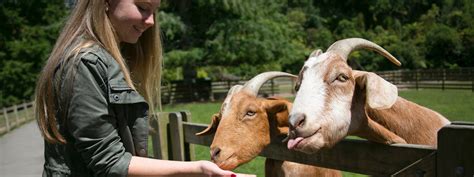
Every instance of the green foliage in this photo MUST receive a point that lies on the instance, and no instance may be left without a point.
(236, 38)
(29, 30)
(444, 46)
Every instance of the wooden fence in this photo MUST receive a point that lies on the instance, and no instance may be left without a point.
(173, 137)
(462, 78)
(206, 90)
(14, 116)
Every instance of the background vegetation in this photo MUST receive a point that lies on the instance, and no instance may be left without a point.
(219, 39)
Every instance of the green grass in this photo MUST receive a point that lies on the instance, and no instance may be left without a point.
(456, 105)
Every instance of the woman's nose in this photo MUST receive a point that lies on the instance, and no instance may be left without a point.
(149, 21)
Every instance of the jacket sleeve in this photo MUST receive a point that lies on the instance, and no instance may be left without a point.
(90, 124)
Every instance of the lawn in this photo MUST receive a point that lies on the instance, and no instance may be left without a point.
(456, 105)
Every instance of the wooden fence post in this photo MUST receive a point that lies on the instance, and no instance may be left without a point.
(416, 79)
(17, 118)
(176, 137)
(292, 86)
(7, 123)
(273, 87)
(188, 148)
(181, 150)
(159, 135)
(455, 150)
(25, 111)
(443, 79)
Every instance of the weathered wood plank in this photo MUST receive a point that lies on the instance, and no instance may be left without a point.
(7, 123)
(188, 147)
(358, 156)
(25, 112)
(159, 135)
(456, 150)
(177, 137)
(17, 117)
(424, 167)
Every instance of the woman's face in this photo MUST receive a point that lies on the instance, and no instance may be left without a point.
(131, 18)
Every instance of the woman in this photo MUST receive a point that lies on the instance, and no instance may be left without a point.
(95, 91)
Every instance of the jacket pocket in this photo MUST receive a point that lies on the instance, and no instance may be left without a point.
(131, 112)
(121, 93)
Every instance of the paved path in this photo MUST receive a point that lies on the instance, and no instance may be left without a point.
(21, 152)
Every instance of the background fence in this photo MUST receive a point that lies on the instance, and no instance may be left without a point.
(173, 138)
(205, 90)
(462, 78)
(16, 115)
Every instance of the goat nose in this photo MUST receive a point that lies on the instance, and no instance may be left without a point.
(297, 120)
(215, 153)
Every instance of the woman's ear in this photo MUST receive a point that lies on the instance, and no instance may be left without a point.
(380, 94)
(107, 5)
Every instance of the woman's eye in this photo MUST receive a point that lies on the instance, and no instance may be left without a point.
(342, 78)
(250, 113)
(141, 8)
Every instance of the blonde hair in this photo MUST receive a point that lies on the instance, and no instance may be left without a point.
(88, 24)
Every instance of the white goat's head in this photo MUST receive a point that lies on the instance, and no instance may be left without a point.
(242, 127)
(326, 103)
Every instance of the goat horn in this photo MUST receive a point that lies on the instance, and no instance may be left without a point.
(344, 47)
(234, 89)
(254, 84)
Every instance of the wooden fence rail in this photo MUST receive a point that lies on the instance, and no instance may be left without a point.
(454, 156)
(14, 116)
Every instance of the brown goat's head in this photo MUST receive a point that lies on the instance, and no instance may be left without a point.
(246, 123)
(330, 95)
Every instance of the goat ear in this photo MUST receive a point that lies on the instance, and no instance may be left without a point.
(278, 110)
(316, 53)
(380, 94)
(212, 127)
(276, 105)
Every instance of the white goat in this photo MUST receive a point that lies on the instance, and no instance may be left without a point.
(334, 101)
(246, 124)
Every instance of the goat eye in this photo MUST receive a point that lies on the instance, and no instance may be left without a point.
(250, 113)
(342, 78)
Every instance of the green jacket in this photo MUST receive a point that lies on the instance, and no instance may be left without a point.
(106, 120)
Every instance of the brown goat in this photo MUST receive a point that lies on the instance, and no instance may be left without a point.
(246, 124)
(334, 101)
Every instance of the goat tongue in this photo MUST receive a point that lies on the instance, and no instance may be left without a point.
(292, 143)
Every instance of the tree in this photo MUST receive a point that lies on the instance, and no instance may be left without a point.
(28, 32)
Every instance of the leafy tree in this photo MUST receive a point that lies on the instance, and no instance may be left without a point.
(28, 32)
(238, 38)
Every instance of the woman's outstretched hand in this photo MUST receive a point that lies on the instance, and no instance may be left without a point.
(140, 166)
(212, 169)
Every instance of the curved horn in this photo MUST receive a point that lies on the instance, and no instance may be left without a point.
(254, 84)
(344, 47)
(234, 89)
